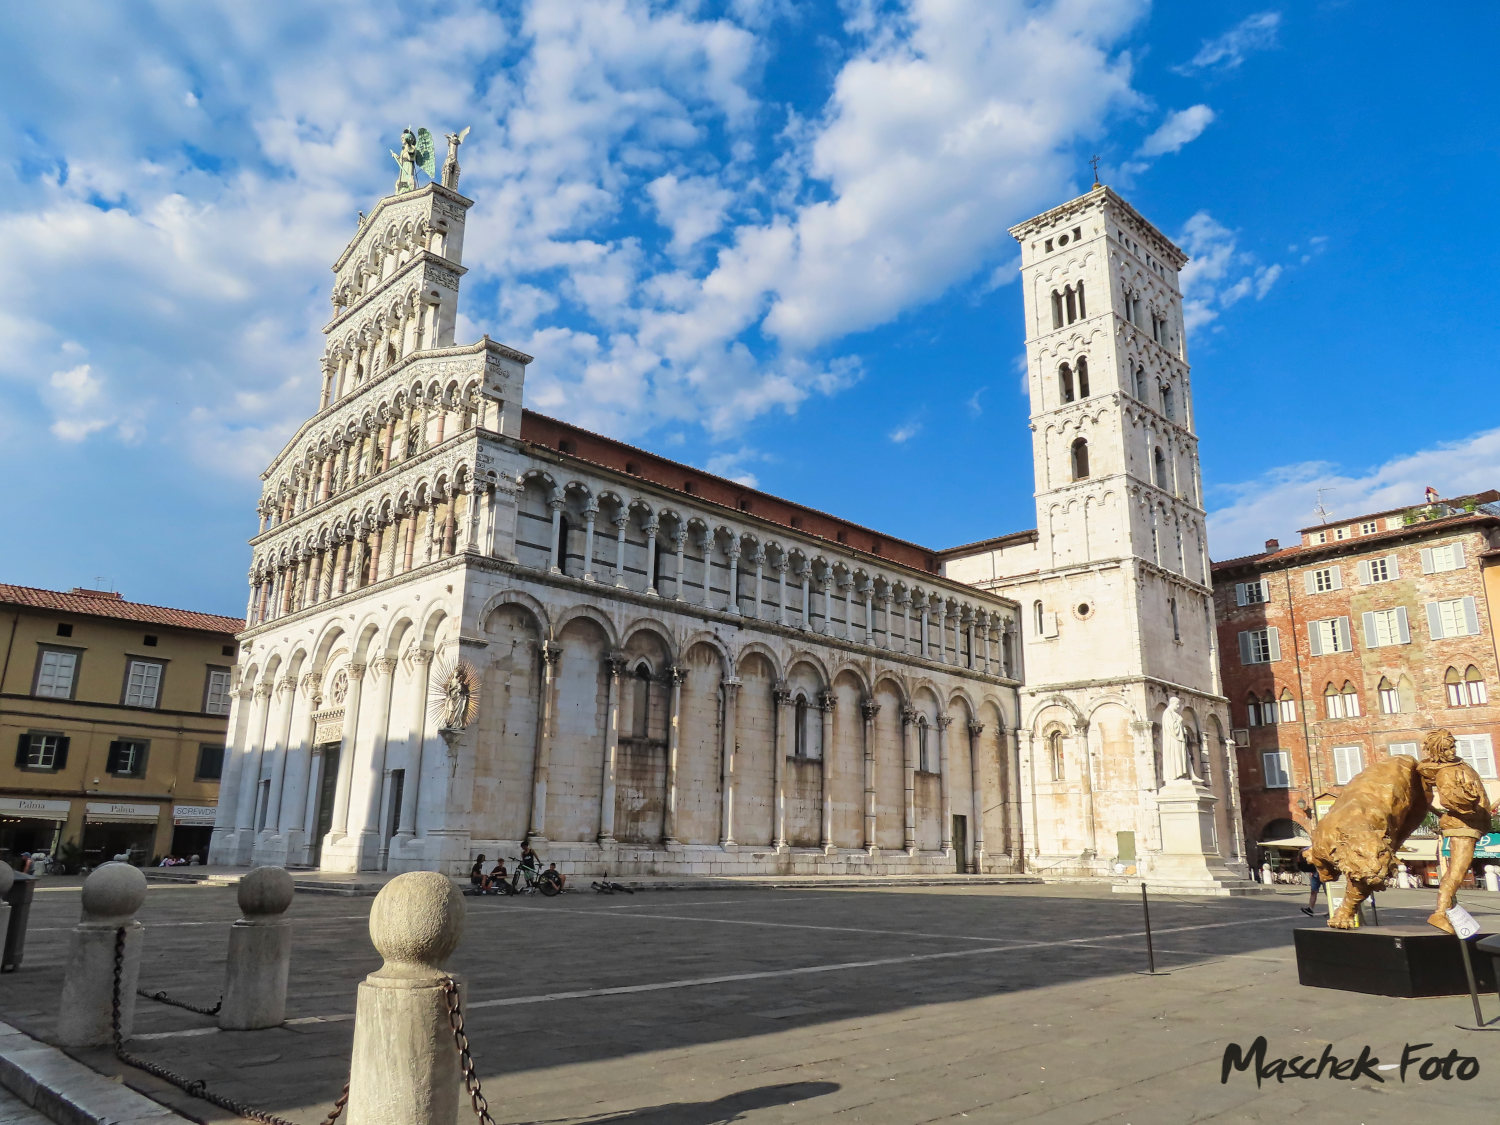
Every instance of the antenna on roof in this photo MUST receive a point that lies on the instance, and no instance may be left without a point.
(1323, 514)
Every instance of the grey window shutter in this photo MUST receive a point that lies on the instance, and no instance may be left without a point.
(1337, 574)
(1426, 560)
(112, 762)
(1402, 628)
(1314, 638)
(1392, 566)
(1273, 642)
(1311, 587)
(1239, 593)
(1434, 621)
(1364, 572)
(23, 748)
(1371, 641)
(1341, 629)
(1458, 555)
(60, 760)
(1471, 616)
(1245, 655)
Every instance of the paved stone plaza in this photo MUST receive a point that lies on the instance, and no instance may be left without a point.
(882, 1005)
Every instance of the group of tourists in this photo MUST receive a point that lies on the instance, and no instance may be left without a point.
(528, 874)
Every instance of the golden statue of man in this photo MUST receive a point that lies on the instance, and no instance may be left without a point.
(1382, 806)
(1466, 814)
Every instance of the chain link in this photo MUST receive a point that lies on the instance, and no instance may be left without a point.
(163, 998)
(195, 1086)
(465, 1060)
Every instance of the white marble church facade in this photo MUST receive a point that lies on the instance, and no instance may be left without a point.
(679, 674)
(676, 674)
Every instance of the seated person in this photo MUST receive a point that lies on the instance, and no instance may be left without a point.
(498, 876)
(476, 873)
(556, 876)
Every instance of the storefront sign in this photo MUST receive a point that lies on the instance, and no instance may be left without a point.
(36, 810)
(1487, 847)
(108, 812)
(195, 814)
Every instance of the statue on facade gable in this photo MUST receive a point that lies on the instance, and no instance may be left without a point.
(450, 165)
(416, 154)
(1174, 753)
(455, 695)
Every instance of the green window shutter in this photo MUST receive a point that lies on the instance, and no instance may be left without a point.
(1273, 642)
(23, 748)
(1371, 640)
(61, 759)
(1239, 593)
(112, 762)
(1402, 627)
(1434, 619)
(1245, 653)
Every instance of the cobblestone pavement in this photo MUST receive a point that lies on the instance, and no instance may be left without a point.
(893, 1006)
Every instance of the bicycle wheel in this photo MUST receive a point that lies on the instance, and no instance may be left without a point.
(549, 887)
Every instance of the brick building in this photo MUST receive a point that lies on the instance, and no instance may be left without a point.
(1349, 646)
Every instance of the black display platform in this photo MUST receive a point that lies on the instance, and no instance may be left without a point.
(1389, 961)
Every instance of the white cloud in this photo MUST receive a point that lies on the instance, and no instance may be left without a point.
(1228, 51)
(190, 192)
(1278, 503)
(905, 432)
(1218, 274)
(1180, 128)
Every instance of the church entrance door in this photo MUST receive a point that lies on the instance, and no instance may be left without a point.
(961, 843)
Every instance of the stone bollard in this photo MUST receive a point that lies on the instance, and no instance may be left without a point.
(1265, 874)
(1491, 879)
(7, 881)
(260, 953)
(404, 1069)
(111, 896)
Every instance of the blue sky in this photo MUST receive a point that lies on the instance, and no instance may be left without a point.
(764, 237)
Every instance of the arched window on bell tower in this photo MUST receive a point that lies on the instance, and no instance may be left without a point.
(1055, 754)
(1083, 374)
(1159, 468)
(1065, 383)
(1080, 459)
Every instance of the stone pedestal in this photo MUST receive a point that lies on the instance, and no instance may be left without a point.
(260, 953)
(1189, 862)
(111, 896)
(1388, 961)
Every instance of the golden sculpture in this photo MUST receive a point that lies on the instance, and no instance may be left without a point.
(1382, 806)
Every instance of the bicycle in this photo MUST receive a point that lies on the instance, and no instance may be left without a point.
(605, 887)
(528, 881)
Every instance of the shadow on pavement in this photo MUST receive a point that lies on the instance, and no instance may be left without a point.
(720, 1111)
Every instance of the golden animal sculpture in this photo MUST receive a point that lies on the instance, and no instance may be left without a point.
(1382, 806)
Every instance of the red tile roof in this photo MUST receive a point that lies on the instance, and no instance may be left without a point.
(105, 603)
(1294, 555)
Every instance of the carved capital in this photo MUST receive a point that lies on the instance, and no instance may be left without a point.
(781, 693)
(677, 673)
(615, 663)
(908, 715)
(551, 653)
(976, 728)
(357, 671)
(944, 722)
(827, 701)
(262, 691)
(385, 666)
(421, 656)
(869, 708)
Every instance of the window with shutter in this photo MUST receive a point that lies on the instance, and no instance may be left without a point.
(1273, 644)
(1410, 749)
(1288, 707)
(1455, 617)
(1385, 627)
(1392, 567)
(1276, 764)
(142, 684)
(1364, 572)
(1403, 629)
(217, 700)
(1347, 762)
(1434, 621)
(210, 763)
(54, 679)
(1239, 593)
(39, 750)
(1477, 750)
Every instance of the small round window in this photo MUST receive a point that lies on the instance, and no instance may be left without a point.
(1062, 240)
(1084, 609)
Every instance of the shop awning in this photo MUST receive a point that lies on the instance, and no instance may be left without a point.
(101, 812)
(1421, 850)
(34, 810)
(203, 815)
(1298, 842)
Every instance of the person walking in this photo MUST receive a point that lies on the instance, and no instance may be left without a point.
(1304, 864)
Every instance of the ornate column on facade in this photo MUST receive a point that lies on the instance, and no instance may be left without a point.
(249, 773)
(375, 772)
(286, 688)
(621, 522)
(590, 513)
(781, 589)
(976, 795)
(760, 564)
(1015, 837)
(537, 829)
(781, 695)
(729, 754)
(450, 518)
(806, 575)
(681, 540)
(652, 524)
(296, 787)
(869, 709)
(471, 525)
(909, 777)
(826, 703)
(732, 550)
(340, 823)
(614, 665)
(945, 788)
(675, 674)
(421, 668)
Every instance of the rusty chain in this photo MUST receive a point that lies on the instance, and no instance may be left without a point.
(162, 998)
(465, 1060)
(196, 1086)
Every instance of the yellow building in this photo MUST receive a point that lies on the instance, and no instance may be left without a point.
(118, 713)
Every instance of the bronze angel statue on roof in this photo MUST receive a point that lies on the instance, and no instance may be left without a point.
(417, 153)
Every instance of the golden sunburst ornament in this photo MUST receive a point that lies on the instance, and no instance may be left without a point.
(453, 697)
